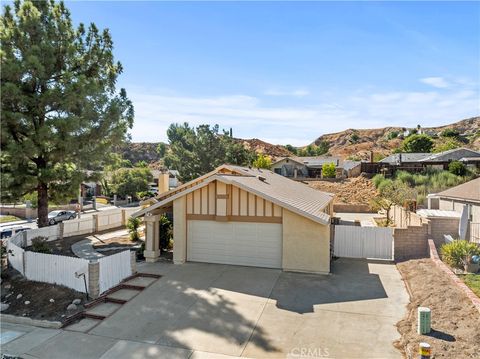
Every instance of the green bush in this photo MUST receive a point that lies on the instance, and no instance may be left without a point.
(449, 132)
(328, 170)
(417, 143)
(133, 224)
(39, 245)
(384, 184)
(458, 253)
(377, 179)
(405, 177)
(457, 168)
(392, 135)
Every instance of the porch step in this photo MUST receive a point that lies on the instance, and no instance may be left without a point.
(83, 325)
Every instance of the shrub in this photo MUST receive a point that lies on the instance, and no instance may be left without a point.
(328, 170)
(377, 179)
(262, 161)
(392, 135)
(133, 224)
(449, 132)
(457, 168)
(39, 245)
(354, 137)
(417, 143)
(166, 232)
(384, 184)
(458, 253)
(405, 177)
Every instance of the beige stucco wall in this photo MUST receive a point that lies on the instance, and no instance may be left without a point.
(180, 230)
(306, 244)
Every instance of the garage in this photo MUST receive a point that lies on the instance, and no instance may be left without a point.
(239, 243)
(244, 216)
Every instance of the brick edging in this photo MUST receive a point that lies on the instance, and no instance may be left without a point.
(462, 286)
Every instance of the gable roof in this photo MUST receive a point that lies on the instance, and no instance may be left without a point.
(405, 157)
(445, 156)
(292, 195)
(468, 191)
(451, 155)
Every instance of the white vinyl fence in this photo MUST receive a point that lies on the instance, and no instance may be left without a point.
(76, 227)
(62, 270)
(363, 242)
(113, 269)
(15, 252)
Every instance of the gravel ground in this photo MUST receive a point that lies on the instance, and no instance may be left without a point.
(455, 321)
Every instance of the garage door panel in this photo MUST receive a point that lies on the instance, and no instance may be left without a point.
(251, 244)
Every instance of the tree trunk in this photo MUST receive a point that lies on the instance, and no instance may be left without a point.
(42, 192)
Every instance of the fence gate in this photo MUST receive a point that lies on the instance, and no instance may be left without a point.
(363, 242)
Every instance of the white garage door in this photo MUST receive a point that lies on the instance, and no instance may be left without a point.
(248, 244)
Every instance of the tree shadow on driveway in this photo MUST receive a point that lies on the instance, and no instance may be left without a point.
(199, 307)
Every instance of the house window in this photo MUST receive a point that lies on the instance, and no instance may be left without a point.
(278, 171)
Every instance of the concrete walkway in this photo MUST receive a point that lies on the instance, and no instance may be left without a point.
(85, 250)
(199, 310)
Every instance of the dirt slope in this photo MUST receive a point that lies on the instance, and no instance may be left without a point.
(358, 190)
(360, 142)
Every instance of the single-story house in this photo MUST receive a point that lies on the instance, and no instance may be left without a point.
(244, 216)
(415, 162)
(311, 167)
(459, 198)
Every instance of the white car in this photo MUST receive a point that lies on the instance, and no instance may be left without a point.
(55, 217)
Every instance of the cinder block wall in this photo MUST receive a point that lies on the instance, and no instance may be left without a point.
(441, 226)
(410, 242)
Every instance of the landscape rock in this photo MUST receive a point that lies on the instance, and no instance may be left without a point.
(27, 302)
(52, 300)
(7, 286)
(19, 296)
(76, 301)
(4, 306)
(72, 307)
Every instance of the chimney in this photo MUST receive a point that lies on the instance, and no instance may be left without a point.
(371, 156)
(163, 182)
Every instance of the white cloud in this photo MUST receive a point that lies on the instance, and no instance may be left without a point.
(438, 82)
(301, 124)
(293, 93)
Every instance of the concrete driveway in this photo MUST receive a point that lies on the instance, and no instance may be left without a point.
(196, 310)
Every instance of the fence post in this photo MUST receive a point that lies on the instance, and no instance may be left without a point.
(133, 261)
(95, 223)
(60, 230)
(94, 279)
(24, 239)
(124, 217)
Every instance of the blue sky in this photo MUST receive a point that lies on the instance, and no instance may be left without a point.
(289, 72)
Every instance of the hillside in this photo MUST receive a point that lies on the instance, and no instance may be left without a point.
(359, 143)
(348, 143)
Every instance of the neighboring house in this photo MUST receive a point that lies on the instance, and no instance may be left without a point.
(311, 167)
(416, 162)
(466, 195)
(244, 216)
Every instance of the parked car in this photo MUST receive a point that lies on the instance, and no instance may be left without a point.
(7, 232)
(55, 217)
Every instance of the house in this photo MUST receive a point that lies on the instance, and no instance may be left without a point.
(311, 167)
(244, 216)
(459, 198)
(417, 162)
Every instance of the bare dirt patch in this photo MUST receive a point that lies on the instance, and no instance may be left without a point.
(455, 321)
(39, 295)
(61, 246)
(357, 190)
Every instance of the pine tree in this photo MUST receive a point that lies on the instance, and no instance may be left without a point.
(61, 112)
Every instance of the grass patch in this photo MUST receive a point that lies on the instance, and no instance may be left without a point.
(473, 282)
(5, 219)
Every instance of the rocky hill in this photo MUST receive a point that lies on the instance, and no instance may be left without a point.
(382, 141)
(350, 143)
